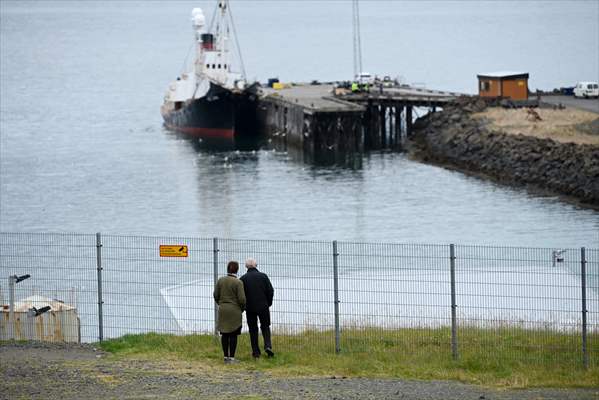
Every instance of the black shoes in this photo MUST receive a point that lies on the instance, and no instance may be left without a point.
(268, 352)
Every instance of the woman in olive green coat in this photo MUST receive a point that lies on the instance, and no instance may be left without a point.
(230, 297)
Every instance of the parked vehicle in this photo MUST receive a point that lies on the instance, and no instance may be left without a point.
(586, 89)
(365, 78)
(388, 82)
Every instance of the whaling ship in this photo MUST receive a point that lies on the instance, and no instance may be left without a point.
(210, 102)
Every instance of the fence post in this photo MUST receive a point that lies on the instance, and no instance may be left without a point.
(336, 291)
(454, 328)
(100, 300)
(215, 260)
(11, 307)
(583, 280)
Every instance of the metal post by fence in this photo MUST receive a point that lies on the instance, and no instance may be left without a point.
(454, 328)
(11, 307)
(336, 290)
(585, 354)
(215, 260)
(100, 301)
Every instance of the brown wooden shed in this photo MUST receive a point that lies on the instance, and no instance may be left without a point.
(513, 85)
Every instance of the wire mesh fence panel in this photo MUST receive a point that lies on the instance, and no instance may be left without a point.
(58, 302)
(519, 303)
(394, 295)
(512, 303)
(146, 292)
(592, 296)
(301, 274)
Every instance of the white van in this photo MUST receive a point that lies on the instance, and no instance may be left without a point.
(586, 89)
(365, 77)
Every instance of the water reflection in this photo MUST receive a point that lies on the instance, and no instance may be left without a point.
(269, 194)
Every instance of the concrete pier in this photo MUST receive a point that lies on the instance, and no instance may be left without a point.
(324, 125)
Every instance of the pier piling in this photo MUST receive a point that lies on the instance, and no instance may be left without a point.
(316, 126)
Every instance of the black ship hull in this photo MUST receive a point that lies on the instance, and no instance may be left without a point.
(219, 118)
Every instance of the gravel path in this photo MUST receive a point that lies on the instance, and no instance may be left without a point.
(57, 371)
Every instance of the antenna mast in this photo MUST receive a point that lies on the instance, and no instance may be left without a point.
(357, 39)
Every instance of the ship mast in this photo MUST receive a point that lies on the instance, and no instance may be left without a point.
(220, 30)
(243, 74)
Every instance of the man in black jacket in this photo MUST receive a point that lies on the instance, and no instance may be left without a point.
(259, 294)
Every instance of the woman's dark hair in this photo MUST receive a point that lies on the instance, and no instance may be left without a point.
(232, 267)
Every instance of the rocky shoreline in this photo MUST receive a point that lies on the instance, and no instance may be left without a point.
(453, 138)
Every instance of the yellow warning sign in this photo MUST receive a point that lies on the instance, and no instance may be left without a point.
(172, 250)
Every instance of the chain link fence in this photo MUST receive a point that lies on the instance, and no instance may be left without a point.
(536, 303)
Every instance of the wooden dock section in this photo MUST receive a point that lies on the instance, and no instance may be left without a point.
(325, 125)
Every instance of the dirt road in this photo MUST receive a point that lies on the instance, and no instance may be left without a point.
(62, 372)
(571, 101)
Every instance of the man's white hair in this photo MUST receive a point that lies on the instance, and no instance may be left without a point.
(250, 263)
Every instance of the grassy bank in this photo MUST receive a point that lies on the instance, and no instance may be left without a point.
(511, 358)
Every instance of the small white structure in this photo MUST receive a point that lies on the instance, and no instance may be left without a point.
(42, 319)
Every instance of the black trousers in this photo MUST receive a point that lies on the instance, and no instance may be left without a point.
(228, 342)
(252, 318)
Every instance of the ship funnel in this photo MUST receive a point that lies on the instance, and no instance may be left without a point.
(197, 18)
(207, 40)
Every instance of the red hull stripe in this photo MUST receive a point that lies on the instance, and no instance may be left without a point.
(205, 133)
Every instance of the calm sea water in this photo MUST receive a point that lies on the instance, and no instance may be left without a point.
(82, 148)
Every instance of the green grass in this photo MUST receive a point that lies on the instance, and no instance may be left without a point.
(507, 357)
